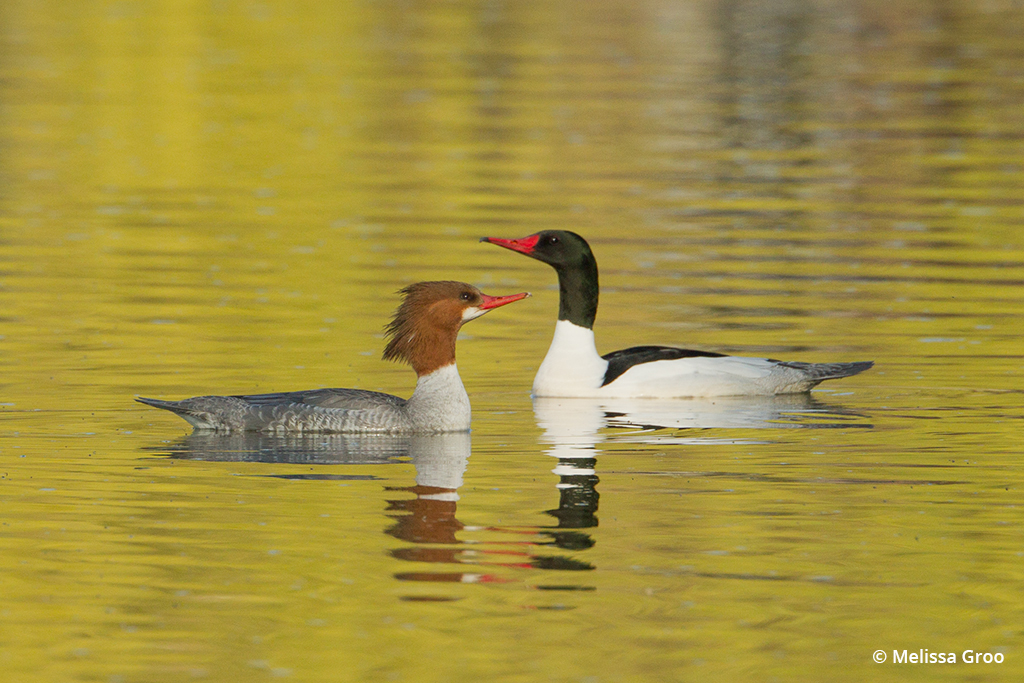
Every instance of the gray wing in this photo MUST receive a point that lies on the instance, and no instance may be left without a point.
(343, 399)
(315, 410)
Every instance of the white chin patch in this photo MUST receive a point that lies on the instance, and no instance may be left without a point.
(473, 312)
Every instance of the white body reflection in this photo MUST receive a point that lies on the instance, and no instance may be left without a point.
(573, 425)
(573, 428)
(441, 461)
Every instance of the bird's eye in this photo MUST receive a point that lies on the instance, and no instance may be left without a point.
(465, 296)
(552, 239)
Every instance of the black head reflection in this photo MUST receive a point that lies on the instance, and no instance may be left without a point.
(577, 495)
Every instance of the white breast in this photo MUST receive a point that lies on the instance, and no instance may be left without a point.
(572, 366)
(440, 402)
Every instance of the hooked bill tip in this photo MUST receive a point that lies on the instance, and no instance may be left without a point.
(490, 302)
(524, 245)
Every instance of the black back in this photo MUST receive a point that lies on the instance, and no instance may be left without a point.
(620, 361)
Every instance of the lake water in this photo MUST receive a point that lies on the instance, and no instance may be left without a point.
(225, 197)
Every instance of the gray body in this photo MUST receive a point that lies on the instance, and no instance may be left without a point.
(439, 404)
(317, 410)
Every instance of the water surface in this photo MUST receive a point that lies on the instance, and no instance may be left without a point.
(226, 198)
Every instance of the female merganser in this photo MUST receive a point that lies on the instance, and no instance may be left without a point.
(573, 367)
(421, 334)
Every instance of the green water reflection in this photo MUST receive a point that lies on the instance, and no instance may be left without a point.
(226, 197)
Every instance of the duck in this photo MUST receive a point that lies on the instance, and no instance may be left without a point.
(573, 368)
(422, 333)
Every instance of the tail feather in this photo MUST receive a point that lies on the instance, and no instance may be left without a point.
(823, 371)
(179, 407)
(187, 410)
(156, 403)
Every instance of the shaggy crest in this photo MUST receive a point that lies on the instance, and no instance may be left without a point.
(421, 332)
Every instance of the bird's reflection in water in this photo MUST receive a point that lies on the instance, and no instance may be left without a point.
(573, 428)
(573, 437)
(426, 521)
(312, 449)
(572, 424)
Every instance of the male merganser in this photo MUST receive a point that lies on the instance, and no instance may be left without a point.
(422, 334)
(573, 368)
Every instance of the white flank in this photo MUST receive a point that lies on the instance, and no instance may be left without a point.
(574, 369)
(700, 376)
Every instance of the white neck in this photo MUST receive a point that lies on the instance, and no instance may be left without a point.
(572, 366)
(440, 402)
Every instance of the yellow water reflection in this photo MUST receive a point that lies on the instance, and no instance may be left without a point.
(225, 197)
